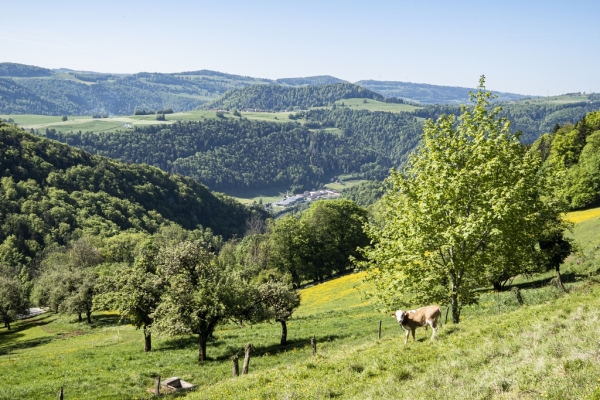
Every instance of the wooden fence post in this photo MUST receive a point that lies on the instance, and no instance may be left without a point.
(246, 359)
(60, 393)
(379, 331)
(313, 343)
(236, 366)
(157, 386)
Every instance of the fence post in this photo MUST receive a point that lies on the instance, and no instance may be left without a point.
(236, 366)
(379, 331)
(313, 343)
(157, 386)
(60, 393)
(246, 359)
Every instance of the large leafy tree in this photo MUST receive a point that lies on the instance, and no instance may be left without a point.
(199, 294)
(134, 291)
(278, 301)
(12, 300)
(469, 199)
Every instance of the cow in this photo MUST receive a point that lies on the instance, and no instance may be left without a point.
(412, 319)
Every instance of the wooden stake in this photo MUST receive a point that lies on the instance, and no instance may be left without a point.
(246, 359)
(379, 331)
(313, 343)
(236, 366)
(60, 393)
(157, 386)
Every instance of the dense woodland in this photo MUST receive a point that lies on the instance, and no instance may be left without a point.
(235, 153)
(282, 98)
(533, 120)
(574, 151)
(428, 94)
(52, 193)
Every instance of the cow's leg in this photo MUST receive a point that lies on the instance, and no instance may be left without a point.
(413, 333)
(406, 338)
(433, 324)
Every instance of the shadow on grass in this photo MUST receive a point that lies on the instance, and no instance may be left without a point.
(10, 339)
(191, 342)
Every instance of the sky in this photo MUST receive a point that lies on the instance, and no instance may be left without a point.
(529, 47)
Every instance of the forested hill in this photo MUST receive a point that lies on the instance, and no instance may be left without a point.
(50, 191)
(275, 98)
(236, 153)
(310, 80)
(533, 120)
(428, 94)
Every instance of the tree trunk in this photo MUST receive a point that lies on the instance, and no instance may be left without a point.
(202, 347)
(80, 319)
(559, 279)
(283, 331)
(455, 308)
(7, 324)
(497, 286)
(147, 340)
(88, 315)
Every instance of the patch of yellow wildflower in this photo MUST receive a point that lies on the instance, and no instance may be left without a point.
(581, 216)
(333, 295)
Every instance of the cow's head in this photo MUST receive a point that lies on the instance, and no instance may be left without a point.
(399, 316)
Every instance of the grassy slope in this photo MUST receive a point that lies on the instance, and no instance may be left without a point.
(547, 348)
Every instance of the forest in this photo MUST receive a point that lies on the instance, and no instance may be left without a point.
(280, 98)
(52, 193)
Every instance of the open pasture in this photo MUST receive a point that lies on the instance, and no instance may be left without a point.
(374, 105)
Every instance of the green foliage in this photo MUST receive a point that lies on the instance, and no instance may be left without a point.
(467, 208)
(273, 97)
(427, 94)
(320, 243)
(13, 300)
(51, 193)
(573, 151)
(199, 294)
(364, 194)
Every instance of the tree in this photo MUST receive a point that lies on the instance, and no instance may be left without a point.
(555, 247)
(133, 291)
(470, 196)
(12, 300)
(278, 301)
(198, 293)
(64, 118)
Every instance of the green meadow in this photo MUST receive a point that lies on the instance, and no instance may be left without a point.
(374, 105)
(546, 348)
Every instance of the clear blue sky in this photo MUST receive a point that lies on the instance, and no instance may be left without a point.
(528, 47)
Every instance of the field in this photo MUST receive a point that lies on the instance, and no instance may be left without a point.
(547, 348)
(373, 105)
(562, 99)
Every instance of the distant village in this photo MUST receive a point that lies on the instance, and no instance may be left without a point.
(288, 201)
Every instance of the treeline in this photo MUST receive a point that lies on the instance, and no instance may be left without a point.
(574, 152)
(51, 193)
(428, 94)
(178, 282)
(364, 194)
(272, 97)
(236, 153)
(533, 120)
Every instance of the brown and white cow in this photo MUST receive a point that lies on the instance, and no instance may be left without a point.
(413, 319)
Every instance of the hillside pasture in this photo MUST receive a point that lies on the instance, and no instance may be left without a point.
(374, 105)
(546, 348)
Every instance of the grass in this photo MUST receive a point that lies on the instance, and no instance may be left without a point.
(547, 348)
(344, 184)
(374, 105)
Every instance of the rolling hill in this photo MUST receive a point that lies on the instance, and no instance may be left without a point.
(50, 192)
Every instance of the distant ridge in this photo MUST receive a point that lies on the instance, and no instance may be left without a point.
(275, 97)
(310, 80)
(27, 89)
(429, 94)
